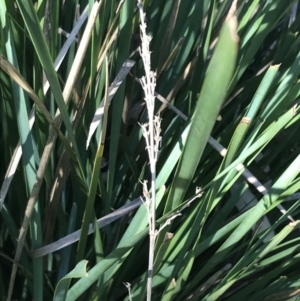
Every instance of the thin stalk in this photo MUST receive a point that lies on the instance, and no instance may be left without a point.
(152, 216)
(151, 132)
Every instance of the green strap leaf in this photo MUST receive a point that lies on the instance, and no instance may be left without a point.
(219, 75)
(62, 287)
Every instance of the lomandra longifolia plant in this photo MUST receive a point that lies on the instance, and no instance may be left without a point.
(79, 192)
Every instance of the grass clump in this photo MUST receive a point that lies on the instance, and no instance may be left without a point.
(220, 118)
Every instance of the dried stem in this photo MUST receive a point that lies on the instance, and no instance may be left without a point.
(128, 286)
(151, 132)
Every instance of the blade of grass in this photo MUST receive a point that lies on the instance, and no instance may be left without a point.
(167, 38)
(65, 254)
(127, 65)
(61, 290)
(126, 17)
(95, 174)
(201, 125)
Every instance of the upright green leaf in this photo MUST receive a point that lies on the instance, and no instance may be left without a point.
(219, 74)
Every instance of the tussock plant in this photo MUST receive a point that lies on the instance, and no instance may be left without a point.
(149, 150)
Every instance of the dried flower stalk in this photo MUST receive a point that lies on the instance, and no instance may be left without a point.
(151, 132)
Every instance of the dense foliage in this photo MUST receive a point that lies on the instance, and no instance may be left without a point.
(226, 78)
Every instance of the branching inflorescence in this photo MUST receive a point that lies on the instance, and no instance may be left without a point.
(151, 132)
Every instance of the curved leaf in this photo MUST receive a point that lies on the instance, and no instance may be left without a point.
(61, 290)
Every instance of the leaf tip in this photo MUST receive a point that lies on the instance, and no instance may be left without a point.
(232, 22)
